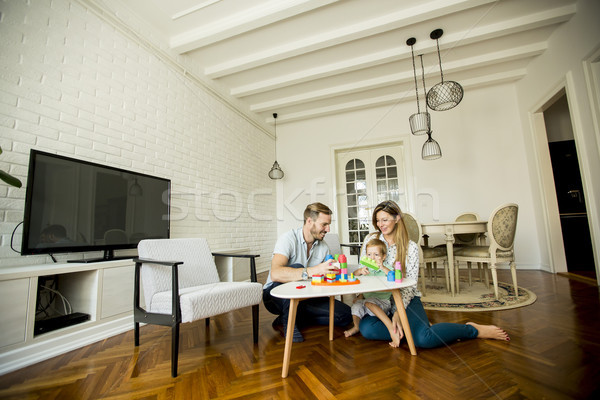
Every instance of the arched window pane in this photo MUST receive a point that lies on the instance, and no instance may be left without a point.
(387, 179)
(357, 200)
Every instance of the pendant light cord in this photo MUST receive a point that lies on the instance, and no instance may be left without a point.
(423, 76)
(275, 120)
(415, 75)
(437, 41)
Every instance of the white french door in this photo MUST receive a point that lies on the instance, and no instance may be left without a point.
(366, 177)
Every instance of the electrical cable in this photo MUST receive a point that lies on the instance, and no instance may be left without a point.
(13, 236)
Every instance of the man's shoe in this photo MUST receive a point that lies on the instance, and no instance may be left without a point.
(297, 336)
(277, 321)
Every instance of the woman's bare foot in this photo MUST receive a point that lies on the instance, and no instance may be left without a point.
(351, 331)
(395, 339)
(489, 332)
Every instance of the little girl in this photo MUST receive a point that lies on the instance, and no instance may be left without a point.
(377, 304)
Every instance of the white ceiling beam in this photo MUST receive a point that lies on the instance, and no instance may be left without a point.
(478, 61)
(520, 24)
(242, 22)
(356, 31)
(494, 79)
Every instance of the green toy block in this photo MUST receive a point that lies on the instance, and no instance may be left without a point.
(369, 262)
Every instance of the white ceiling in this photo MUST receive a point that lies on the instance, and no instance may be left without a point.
(308, 58)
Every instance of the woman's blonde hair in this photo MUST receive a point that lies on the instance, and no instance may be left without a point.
(400, 234)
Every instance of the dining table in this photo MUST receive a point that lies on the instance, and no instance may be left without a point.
(449, 229)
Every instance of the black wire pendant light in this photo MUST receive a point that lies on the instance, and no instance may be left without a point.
(420, 123)
(446, 94)
(431, 149)
(275, 172)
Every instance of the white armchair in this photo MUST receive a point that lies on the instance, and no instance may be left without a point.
(187, 289)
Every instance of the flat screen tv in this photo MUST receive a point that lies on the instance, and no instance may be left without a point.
(76, 206)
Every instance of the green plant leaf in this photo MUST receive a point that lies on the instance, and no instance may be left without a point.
(11, 180)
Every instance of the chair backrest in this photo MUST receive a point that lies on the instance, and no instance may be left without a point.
(413, 228)
(115, 236)
(198, 266)
(333, 241)
(466, 238)
(502, 226)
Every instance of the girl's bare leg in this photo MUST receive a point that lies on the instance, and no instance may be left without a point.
(354, 329)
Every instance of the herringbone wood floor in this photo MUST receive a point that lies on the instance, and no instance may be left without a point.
(553, 354)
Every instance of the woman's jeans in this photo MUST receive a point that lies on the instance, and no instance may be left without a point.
(313, 311)
(424, 335)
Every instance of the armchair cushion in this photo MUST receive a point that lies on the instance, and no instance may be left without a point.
(211, 299)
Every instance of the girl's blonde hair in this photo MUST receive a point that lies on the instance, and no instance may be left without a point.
(377, 243)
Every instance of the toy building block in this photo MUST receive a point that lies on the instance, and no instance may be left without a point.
(398, 272)
(329, 257)
(317, 278)
(391, 276)
(369, 262)
(351, 278)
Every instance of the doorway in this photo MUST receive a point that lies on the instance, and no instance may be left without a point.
(569, 189)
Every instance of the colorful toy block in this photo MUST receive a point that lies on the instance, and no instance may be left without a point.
(369, 262)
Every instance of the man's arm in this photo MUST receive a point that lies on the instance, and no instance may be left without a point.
(281, 272)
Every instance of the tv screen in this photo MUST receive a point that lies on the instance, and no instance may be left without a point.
(74, 206)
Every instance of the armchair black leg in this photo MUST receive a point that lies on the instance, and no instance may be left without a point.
(255, 323)
(136, 333)
(174, 350)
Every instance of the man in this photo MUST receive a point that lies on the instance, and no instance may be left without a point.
(299, 254)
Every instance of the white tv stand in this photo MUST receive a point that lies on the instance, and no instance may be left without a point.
(104, 290)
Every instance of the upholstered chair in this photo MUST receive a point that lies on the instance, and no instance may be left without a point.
(428, 256)
(502, 226)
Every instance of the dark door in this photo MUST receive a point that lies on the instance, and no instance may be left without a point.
(571, 206)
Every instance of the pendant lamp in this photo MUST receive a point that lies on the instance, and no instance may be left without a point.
(420, 123)
(431, 149)
(136, 189)
(275, 172)
(444, 95)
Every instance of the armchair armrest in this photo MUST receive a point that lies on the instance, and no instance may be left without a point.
(157, 318)
(351, 245)
(252, 258)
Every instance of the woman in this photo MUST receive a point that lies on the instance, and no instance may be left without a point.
(387, 217)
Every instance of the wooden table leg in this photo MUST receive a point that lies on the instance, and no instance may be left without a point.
(289, 337)
(404, 320)
(450, 254)
(331, 315)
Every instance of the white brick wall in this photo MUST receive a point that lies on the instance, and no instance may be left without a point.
(73, 84)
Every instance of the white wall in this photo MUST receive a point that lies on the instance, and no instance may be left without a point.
(74, 84)
(484, 162)
(562, 66)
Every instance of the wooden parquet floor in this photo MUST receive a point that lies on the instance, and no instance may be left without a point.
(554, 354)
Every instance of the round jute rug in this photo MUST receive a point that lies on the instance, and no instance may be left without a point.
(475, 298)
